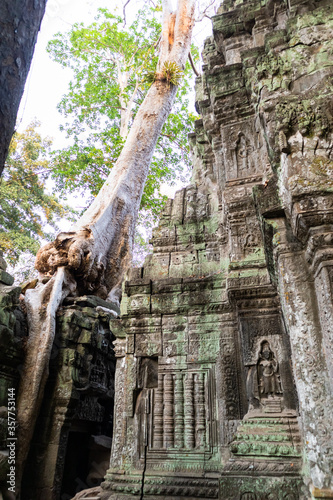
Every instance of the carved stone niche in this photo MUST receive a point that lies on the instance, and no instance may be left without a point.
(269, 383)
(243, 154)
(190, 203)
(264, 381)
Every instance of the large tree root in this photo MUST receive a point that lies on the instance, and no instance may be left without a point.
(42, 304)
(75, 250)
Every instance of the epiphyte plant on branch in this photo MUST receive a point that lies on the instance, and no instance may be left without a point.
(94, 255)
(171, 72)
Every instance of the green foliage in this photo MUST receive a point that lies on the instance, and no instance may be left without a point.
(28, 213)
(110, 64)
(172, 73)
(150, 77)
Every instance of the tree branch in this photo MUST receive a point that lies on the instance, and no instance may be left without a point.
(203, 14)
(124, 12)
(190, 58)
(171, 139)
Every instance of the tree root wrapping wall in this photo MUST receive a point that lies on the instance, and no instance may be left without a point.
(71, 447)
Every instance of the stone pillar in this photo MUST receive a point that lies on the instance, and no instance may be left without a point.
(307, 338)
(50, 471)
(200, 420)
(320, 255)
(168, 411)
(119, 426)
(158, 414)
(179, 410)
(189, 411)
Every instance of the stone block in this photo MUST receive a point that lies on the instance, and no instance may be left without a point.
(171, 285)
(117, 327)
(6, 278)
(139, 304)
(85, 336)
(9, 296)
(148, 344)
(92, 301)
(158, 267)
(79, 319)
(137, 287)
(164, 303)
(4, 317)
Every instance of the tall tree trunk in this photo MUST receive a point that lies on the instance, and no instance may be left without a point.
(19, 25)
(97, 251)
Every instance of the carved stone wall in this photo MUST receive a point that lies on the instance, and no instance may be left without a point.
(12, 335)
(71, 446)
(72, 442)
(224, 346)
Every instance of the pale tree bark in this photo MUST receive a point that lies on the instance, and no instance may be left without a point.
(93, 257)
(126, 111)
(126, 99)
(19, 25)
(125, 107)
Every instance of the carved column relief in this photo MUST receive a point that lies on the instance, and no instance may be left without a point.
(179, 410)
(229, 382)
(168, 440)
(189, 411)
(158, 414)
(119, 429)
(182, 415)
(199, 401)
(324, 290)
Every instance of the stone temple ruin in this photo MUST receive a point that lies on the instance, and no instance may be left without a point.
(223, 349)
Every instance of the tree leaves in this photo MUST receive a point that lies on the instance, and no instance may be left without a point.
(27, 211)
(110, 65)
